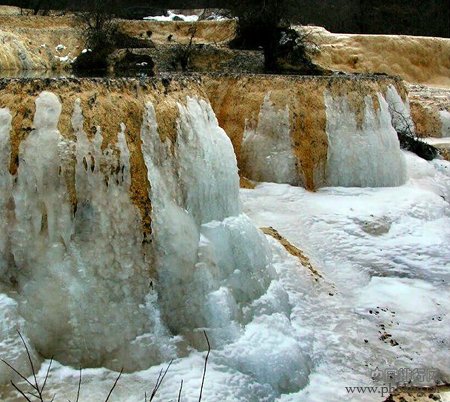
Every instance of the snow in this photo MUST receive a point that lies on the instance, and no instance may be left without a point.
(437, 141)
(171, 16)
(403, 269)
(65, 59)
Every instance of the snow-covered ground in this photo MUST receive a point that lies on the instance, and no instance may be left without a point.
(384, 255)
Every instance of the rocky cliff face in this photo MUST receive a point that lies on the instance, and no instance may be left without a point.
(38, 43)
(52, 43)
(418, 60)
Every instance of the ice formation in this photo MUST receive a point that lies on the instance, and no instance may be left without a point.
(267, 150)
(400, 111)
(205, 248)
(366, 154)
(79, 281)
(79, 273)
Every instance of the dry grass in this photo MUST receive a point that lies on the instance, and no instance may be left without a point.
(293, 250)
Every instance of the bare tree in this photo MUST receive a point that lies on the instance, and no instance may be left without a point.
(407, 136)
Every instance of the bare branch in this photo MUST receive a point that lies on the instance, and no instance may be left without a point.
(179, 392)
(79, 388)
(159, 381)
(46, 375)
(114, 385)
(36, 387)
(204, 368)
(20, 391)
(18, 373)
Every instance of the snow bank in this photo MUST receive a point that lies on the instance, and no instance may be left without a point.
(379, 285)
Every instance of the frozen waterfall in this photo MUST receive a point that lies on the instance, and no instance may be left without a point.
(267, 150)
(205, 247)
(76, 276)
(366, 153)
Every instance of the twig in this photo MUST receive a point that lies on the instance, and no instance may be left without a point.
(17, 372)
(114, 385)
(204, 368)
(32, 366)
(406, 122)
(179, 392)
(159, 381)
(46, 375)
(79, 387)
(21, 392)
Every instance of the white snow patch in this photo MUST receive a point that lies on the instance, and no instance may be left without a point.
(173, 17)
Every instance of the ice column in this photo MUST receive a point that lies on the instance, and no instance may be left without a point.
(366, 154)
(267, 150)
(212, 262)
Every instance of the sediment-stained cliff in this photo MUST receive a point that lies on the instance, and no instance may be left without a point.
(420, 60)
(281, 126)
(105, 104)
(430, 110)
